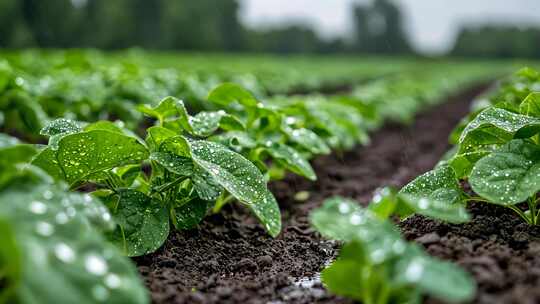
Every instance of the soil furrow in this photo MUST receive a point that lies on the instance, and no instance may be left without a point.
(230, 259)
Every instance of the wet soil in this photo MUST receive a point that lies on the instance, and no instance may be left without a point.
(230, 259)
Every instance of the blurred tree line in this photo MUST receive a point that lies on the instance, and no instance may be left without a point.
(498, 41)
(205, 25)
(214, 25)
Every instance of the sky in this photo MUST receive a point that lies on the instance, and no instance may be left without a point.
(431, 24)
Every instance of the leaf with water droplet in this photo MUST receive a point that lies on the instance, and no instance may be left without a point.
(509, 175)
(239, 177)
(343, 219)
(440, 279)
(291, 159)
(495, 126)
(190, 214)
(58, 241)
(81, 155)
(143, 224)
(228, 93)
(176, 164)
(167, 108)
(531, 105)
(439, 184)
(307, 139)
(59, 128)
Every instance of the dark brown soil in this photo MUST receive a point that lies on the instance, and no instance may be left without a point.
(230, 259)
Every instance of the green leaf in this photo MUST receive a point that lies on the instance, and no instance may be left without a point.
(143, 224)
(59, 128)
(440, 279)
(266, 209)
(167, 108)
(228, 93)
(343, 219)
(81, 155)
(189, 215)
(509, 175)
(174, 163)
(345, 278)
(205, 124)
(291, 159)
(157, 135)
(495, 126)
(12, 151)
(440, 184)
(104, 125)
(239, 177)
(307, 139)
(205, 185)
(531, 105)
(384, 202)
(58, 242)
(439, 208)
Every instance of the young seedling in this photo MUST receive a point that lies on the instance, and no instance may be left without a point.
(376, 265)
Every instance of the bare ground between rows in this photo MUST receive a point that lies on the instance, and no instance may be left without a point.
(230, 259)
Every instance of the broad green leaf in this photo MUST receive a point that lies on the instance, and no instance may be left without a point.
(143, 224)
(495, 126)
(345, 278)
(46, 160)
(157, 135)
(59, 128)
(189, 215)
(343, 219)
(205, 185)
(230, 169)
(167, 108)
(81, 155)
(531, 105)
(440, 184)
(235, 140)
(12, 151)
(464, 162)
(267, 211)
(104, 125)
(291, 159)
(307, 139)
(58, 242)
(174, 163)
(438, 208)
(440, 279)
(239, 177)
(228, 93)
(384, 202)
(509, 175)
(205, 124)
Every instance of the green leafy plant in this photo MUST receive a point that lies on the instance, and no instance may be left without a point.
(189, 174)
(497, 152)
(375, 265)
(55, 236)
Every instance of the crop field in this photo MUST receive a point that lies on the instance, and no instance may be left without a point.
(153, 177)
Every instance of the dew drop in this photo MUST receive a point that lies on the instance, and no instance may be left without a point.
(38, 207)
(95, 264)
(64, 253)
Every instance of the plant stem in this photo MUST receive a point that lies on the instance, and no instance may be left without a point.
(169, 185)
(221, 202)
(532, 209)
(520, 213)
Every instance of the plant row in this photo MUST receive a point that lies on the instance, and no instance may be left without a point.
(183, 167)
(496, 151)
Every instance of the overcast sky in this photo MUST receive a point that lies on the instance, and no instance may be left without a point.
(431, 24)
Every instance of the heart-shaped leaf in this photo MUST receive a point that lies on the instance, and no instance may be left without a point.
(509, 175)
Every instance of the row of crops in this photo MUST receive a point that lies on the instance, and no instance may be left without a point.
(102, 156)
